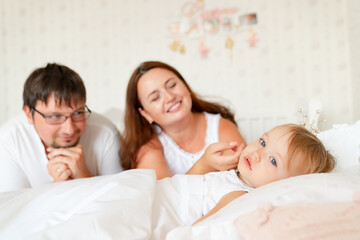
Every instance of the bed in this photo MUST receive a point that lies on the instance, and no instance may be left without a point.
(132, 205)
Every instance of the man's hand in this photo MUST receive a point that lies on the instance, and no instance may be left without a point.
(73, 157)
(59, 171)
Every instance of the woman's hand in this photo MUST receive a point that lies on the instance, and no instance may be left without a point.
(220, 156)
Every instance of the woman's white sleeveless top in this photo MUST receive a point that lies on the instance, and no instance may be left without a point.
(180, 161)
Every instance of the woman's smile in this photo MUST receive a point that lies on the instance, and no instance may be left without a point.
(175, 107)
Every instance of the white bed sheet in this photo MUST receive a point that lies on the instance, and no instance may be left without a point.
(133, 205)
(128, 205)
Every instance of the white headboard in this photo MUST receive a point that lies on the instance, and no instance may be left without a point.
(251, 126)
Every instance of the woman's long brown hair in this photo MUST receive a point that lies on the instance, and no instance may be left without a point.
(138, 131)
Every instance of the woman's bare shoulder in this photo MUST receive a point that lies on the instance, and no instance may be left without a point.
(228, 131)
(151, 147)
(151, 156)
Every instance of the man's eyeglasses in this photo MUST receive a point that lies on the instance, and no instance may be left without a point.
(78, 116)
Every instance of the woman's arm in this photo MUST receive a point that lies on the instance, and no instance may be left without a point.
(225, 200)
(151, 156)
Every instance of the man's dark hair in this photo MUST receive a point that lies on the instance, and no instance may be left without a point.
(63, 82)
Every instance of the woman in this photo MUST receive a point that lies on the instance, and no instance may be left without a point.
(168, 127)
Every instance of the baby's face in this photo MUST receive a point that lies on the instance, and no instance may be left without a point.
(265, 160)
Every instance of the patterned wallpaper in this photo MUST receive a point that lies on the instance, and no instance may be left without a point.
(354, 38)
(297, 51)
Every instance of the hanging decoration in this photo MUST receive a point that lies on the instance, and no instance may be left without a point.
(196, 23)
(229, 44)
(176, 45)
(252, 40)
(203, 49)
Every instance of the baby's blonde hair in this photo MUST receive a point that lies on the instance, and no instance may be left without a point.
(307, 151)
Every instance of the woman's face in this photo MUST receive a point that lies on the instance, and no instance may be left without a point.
(164, 97)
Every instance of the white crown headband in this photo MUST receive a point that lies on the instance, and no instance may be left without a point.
(312, 126)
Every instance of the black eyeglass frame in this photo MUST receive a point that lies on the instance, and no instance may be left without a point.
(48, 117)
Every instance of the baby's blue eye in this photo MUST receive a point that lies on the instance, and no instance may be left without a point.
(273, 161)
(262, 142)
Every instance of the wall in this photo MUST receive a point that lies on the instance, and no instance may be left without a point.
(301, 50)
(354, 37)
(3, 114)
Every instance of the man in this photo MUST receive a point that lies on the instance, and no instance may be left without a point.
(58, 138)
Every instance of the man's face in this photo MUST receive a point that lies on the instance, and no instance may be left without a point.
(66, 134)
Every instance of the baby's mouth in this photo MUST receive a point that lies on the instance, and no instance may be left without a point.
(248, 163)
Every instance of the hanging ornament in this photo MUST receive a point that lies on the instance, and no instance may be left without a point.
(203, 49)
(229, 44)
(252, 39)
(174, 45)
(182, 49)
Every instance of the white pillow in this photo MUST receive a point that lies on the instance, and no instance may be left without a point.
(343, 142)
(312, 188)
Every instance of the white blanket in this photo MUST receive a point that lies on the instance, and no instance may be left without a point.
(108, 207)
(133, 205)
(128, 205)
